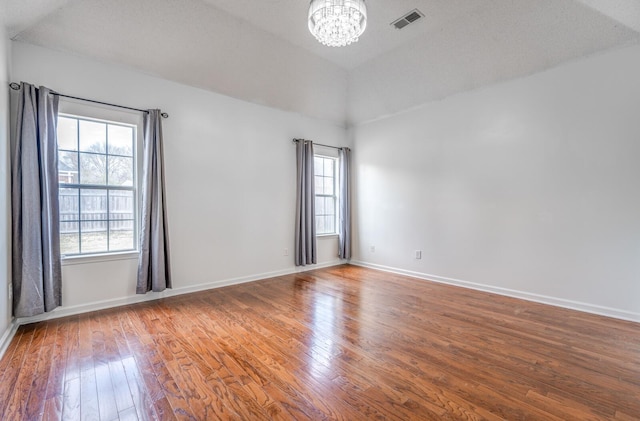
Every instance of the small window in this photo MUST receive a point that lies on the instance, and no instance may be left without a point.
(326, 199)
(97, 180)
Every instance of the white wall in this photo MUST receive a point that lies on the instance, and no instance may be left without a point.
(529, 188)
(5, 179)
(230, 168)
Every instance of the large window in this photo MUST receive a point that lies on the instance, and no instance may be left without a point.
(325, 187)
(96, 167)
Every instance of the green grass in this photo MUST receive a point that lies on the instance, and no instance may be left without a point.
(96, 242)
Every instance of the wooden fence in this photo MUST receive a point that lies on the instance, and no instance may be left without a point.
(92, 210)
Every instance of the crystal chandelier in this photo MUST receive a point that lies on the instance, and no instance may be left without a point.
(336, 23)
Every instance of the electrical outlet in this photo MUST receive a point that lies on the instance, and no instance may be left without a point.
(286, 252)
(373, 249)
(418, 254)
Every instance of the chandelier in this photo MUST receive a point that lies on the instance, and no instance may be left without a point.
(336, 23)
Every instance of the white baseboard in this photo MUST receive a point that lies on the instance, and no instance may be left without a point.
(117, 302)
(543, 299)
(7, 336)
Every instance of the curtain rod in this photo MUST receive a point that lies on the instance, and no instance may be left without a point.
(319, 144)
(16, 87)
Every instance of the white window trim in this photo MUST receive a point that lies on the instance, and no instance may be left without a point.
(98, 112)
(82, 259)
(335, 195)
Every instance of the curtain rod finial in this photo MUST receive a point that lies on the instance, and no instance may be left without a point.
(164, 115)
(14, 86)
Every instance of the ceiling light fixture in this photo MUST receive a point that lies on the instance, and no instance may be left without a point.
(336, 23)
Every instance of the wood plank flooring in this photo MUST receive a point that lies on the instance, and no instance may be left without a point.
(343, 343)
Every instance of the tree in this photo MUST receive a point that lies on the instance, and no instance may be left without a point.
(93, 166)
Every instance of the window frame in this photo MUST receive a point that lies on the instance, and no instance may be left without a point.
(334, 196)
(83, 111)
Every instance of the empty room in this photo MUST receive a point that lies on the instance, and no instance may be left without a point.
(320, 210)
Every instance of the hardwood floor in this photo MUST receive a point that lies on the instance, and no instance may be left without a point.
(339, 343)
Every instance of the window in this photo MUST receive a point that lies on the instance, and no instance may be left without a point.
(325, 188)
(97, 177)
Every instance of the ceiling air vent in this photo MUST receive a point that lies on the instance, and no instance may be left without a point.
(410, 17)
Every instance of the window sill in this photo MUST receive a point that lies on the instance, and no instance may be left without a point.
(326, 235)
(97, 258)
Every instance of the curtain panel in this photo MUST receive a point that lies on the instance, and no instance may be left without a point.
(154, 269)
(305, 229)
(36, 268)
(344, 204)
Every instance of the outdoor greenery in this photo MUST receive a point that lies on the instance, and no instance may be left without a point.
(96, 242)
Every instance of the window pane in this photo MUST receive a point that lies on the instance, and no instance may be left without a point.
(120, 140)
(120, 171)
(317, 165)
(320, 225)
(68, 205)
(67, 133)
(69, 238)
(319, 206)
(67, 167)
(121, 235)
(93, 168)
(319, 185)
(120, 205)
(329, 206)
(93, 205)
(328, 167)
(93, 136)
(328, 185)
(93, 238)
(330, 224)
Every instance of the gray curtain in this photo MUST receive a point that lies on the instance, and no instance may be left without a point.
(305, 245)
(344, 234)
(154, 270)
(35, 233)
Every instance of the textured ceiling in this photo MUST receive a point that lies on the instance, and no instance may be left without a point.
(380, 35)
(495, 43)
(261, 51)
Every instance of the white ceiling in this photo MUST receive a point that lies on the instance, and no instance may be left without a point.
(261, 50)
